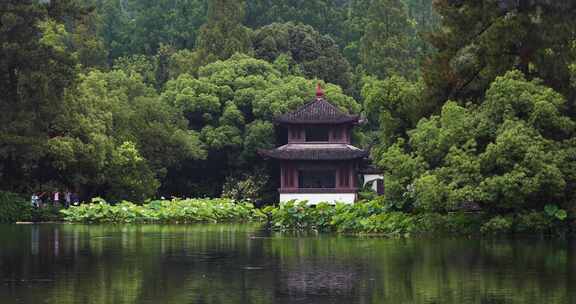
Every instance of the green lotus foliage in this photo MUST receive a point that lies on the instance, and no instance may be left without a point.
(374, 217)
(179, 211)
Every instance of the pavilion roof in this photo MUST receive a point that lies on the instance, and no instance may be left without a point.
(319, 111)
(315, 151)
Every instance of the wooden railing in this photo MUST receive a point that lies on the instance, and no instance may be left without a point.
(317, 190)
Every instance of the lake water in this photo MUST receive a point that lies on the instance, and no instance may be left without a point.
(207, 264)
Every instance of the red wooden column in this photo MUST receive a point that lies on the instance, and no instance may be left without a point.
(295, 178)
(282, 175)
(343, 176)
(289, 175)
(338, 176)
(352, 173)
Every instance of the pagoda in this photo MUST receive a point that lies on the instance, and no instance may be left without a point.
(319, 163)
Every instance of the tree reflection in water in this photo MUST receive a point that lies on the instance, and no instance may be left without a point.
(242, 264)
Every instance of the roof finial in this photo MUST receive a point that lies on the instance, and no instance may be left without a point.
(319, 92)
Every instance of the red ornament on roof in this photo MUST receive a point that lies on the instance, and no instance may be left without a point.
(319, 92)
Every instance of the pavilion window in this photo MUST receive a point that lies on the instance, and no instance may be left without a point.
(337, 134)
(317, 179)
(295, 133)
(318, 133)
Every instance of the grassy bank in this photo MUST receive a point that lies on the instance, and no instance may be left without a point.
(373, 218)
(164, 211)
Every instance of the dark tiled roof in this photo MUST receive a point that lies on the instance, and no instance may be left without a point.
(469, 207)
(318, 111)
(370, 169)
(315, 152)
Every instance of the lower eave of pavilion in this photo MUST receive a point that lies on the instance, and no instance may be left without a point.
(314, 151)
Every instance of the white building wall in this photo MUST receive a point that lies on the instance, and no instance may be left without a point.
(315, 198)
(372, 177)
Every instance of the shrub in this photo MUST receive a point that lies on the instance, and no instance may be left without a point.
(497, 225)
(46, 214)
(248, 187)
(14, 207)
(389, 223)
(534, 222)
(451, 223)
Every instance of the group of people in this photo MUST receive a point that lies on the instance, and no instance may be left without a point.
(65, 199)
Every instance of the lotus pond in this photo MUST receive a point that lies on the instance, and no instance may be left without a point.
(241, 263)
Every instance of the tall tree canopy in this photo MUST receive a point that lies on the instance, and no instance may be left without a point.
(34, 73)
(314, 54)
(223, 34)
(388, 46)
(142, 26)
(479, 40)
(326, 16)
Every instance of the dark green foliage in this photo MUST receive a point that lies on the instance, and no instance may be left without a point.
(392, 106)
(324, 15)
(315, 55)
(14, 208)
(223, 33)
(480, 40)
(141, 26)
(457, 223)
(248, 187)
(388, 46)
(33, 76)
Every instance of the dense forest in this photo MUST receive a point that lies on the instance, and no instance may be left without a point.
(464, 101)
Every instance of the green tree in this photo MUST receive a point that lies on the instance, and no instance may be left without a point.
(508, 154)
(186, 61)
(326, 16)
(378, 16)
(130, 176)
(480, 40)
(316, 55)
(114, 123)
(33, 75)
(388, 46)
(223, 33)
(392, 107)
(145, 66)
(130, 27)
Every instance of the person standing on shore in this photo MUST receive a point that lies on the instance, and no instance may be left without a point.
(42, 201)
(34, 200)
(67, 199)
(56, 198)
